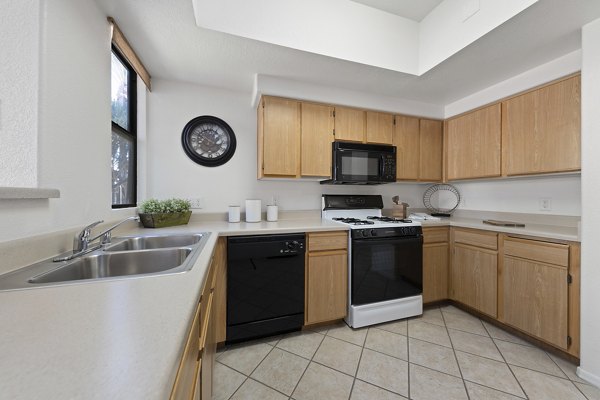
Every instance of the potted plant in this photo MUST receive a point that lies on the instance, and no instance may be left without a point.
(162, 213)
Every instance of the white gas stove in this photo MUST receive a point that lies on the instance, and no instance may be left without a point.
(385, 260)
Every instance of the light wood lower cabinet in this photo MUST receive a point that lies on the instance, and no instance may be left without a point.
(326, 277)
(474, 271)
(536, 289)
(194, 375)
(435, 264)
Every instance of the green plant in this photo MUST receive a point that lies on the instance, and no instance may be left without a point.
(154, 206)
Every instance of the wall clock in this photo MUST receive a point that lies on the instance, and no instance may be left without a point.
(208, 141)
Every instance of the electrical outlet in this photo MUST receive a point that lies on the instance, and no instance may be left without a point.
(545, 204)
(197, 202)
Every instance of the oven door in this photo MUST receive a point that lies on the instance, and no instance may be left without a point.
(386, 269)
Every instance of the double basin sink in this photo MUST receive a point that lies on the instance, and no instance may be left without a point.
(123, 258)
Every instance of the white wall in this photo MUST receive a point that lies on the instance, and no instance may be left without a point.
(74, 128)
(170, 173)
(275, 86)
(19, 72)
(522, 195)
(590, 267)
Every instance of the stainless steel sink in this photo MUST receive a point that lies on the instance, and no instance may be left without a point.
(154, 242)
(116, 264)
(126, 258)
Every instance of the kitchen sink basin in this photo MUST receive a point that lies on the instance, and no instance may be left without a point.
(126, 258)
(154, 242)
(116, 264)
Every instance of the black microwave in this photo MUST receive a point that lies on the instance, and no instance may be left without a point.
(362, 164)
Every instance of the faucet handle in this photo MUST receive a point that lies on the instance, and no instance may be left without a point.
(85, 232)
(80, 242)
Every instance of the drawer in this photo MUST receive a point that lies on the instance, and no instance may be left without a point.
(320, 241)
(488, 240)
(435, 235)
(549, 253)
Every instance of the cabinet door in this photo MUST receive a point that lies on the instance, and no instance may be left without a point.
(317, 136)
(380, 127)
(535, 299)
(281, 137)
(326, 286)
(209, 350)
(186, 379)
(475, 277)
(542, 129)
(474, 141)
(430, 150)
(406, 139)
(220, 262)
(349, 124)
(435, 272)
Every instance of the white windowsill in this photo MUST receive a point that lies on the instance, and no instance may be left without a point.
(28, 193)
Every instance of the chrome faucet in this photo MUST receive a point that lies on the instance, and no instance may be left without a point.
(106, 236)
(82, 240)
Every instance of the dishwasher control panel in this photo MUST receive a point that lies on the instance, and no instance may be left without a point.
(292, 247)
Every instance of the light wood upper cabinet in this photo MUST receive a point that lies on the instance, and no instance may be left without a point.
(279, 137)
(430, 150)
(380, 127)
(326, 277)
(350, 124)
(406, 138)
(474, 144)
(418, 149)
(317, 136)
(542, 129)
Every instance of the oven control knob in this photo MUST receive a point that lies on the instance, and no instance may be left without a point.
(373, 232)
(359, 232)
(413, 230)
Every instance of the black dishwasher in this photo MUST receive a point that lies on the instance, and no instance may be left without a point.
(265, 285)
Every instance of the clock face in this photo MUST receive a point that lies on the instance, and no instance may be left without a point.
(208, 141)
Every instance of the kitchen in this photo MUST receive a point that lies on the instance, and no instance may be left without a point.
(58, 153)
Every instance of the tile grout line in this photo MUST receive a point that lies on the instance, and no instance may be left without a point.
(307, 365)
(568, 377)
(508, 365)
(408, 360)
(455, 357)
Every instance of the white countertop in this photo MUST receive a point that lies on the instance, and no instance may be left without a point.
(119, 339)
(531, 229)
(122, 339)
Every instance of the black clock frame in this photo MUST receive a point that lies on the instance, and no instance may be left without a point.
(197, 158)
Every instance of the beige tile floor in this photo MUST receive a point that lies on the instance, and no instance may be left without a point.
(444, 354)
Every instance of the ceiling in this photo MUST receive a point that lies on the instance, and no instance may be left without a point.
(411, 9)
(166, 38)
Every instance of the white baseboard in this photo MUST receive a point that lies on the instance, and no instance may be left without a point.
(591, 378)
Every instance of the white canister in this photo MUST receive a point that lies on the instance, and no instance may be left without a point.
(234, 213)
(272, 213)
(253, 210)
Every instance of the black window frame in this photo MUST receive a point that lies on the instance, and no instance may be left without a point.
(131, 133)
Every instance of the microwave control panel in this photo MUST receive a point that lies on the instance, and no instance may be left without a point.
(389, 167)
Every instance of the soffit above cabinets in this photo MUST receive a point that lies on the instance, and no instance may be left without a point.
(360, 33)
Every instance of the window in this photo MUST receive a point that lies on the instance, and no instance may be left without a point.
(124, 142)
